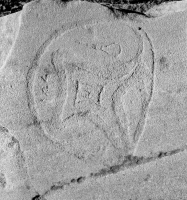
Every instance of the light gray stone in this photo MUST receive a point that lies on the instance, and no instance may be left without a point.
(84, 96)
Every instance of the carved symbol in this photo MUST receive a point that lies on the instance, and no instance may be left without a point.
(67, 93)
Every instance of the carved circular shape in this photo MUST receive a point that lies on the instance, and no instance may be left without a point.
(68, 82)
(103, 43)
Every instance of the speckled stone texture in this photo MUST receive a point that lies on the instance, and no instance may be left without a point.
(92, 107)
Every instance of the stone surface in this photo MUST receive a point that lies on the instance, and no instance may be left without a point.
(8, 33)
(84, 96)
(162, 179)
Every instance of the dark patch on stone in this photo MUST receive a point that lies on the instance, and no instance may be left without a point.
(37, 197)
(2, 180)
(162, 154)
(80, 179)
(164, 66)
(73, 180)
(148, 176)
(4, 129)
(57, 187)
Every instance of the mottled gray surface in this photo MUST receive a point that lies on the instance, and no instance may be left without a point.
(93, 107)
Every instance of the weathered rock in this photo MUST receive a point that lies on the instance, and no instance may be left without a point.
(83, 95)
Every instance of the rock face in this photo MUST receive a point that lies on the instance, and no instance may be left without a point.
(8, 33)
(85, 97)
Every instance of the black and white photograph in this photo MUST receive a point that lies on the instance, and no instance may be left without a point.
(93, 100)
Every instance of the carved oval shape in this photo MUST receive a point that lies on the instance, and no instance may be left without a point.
(49, 87)
(101, 43)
